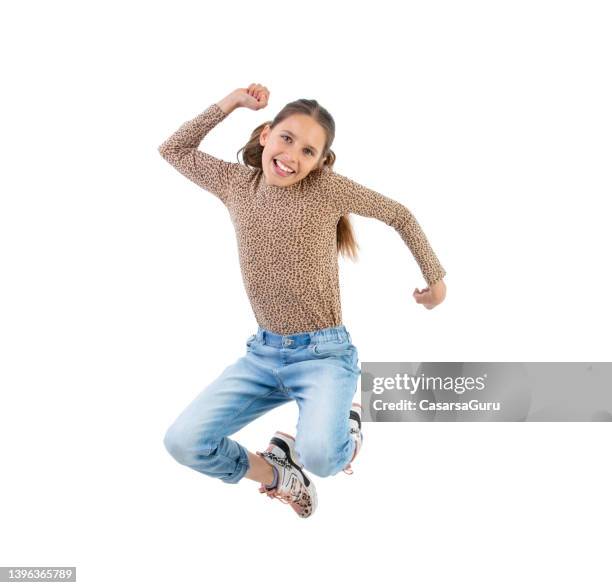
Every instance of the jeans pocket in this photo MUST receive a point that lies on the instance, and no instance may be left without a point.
(332, 349)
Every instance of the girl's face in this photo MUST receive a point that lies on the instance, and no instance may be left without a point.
(296, 143)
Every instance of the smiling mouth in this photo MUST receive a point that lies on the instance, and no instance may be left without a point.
(281, 170)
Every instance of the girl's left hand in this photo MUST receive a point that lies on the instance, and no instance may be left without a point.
(432, 296)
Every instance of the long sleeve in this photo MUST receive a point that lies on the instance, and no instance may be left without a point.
(353, 197)
(208, 172)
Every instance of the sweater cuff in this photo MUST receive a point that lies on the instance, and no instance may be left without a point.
(214, 107)
(435, 276)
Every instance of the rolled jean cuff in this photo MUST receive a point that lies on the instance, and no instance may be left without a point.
(241, 468)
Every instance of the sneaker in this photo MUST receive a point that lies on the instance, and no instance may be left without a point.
(293, 487)
(355, 431)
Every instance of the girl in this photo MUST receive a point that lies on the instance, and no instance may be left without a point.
(289, 210)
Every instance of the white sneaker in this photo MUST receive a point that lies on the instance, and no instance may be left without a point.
(294, 487)
(355, 424)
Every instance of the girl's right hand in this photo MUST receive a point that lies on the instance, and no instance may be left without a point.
(254, 97)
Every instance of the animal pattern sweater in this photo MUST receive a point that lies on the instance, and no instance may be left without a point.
(286, 236)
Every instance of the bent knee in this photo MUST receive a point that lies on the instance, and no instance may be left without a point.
(181, 446)
(319, 461)
(176, 445)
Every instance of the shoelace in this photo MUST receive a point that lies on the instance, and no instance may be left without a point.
(302, 502)
(293, 498)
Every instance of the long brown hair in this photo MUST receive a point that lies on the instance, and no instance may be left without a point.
(251, 155)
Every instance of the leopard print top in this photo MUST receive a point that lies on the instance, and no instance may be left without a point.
(287, 235)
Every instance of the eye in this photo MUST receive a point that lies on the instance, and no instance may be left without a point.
(307, 149)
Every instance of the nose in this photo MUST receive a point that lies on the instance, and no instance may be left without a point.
(293, 157)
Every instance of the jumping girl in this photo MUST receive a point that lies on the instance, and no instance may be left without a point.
(289, 211)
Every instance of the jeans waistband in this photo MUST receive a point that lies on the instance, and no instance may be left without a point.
(338, 334)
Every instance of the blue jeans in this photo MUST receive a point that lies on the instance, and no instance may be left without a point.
(317, 369)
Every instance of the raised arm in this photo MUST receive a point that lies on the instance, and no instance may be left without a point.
(181, 151)
(353, 197)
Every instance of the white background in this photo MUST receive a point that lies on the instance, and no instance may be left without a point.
(122, 296)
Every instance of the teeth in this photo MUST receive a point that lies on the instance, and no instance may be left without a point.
(283, 167)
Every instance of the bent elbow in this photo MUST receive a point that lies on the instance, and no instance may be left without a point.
(163, 150)
(170, 153)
